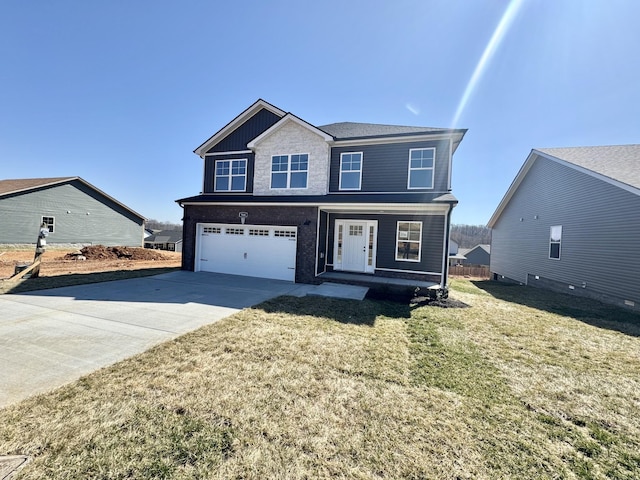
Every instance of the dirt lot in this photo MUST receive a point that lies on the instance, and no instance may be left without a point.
(98, 259)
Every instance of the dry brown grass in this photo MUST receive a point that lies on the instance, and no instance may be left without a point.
(320, 388)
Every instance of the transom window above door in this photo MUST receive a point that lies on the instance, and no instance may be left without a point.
(421, 167)
(289, 171)
(230, 175)
(350, 171)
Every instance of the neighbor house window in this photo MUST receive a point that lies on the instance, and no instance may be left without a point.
(350, 171)
(555, 240)
(231, 176)
(49, 222)
(409, 241)
(289, 171)
(421, 167)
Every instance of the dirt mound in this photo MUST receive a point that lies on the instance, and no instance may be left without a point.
(100, 252)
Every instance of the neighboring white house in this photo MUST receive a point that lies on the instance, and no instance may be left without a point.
(570, 221)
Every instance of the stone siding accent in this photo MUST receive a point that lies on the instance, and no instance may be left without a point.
(258, 215)
(290, 139)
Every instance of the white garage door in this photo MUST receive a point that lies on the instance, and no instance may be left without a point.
(251, 250)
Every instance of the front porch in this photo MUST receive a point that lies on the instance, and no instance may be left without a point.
(392, 285)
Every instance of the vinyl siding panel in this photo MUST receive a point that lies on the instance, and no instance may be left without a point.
(385, 167)
(600, 228)
(432, 241)
(92, 218)
(238, 139)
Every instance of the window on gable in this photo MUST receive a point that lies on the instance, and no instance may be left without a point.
(230, 176)
(49, 222)
(421, 167)
(350, 171)
(555, 240)
(409, 241)
(289, 171)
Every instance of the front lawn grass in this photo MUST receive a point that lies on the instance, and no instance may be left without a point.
(323, 388)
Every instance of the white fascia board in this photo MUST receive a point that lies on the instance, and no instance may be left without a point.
(395, 139)
(236, 122)
(512, 189)
(527, 166)
(591, 173)
(282, 122)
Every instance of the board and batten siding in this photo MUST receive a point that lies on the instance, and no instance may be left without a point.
(254, 126)
(385, 167)
(81, 215)
(432, 240)
(600, 231)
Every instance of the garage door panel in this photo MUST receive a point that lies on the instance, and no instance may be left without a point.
(251, 250)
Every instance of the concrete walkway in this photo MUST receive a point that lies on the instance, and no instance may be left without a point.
(51, 337)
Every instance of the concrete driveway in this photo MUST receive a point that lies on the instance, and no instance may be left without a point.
(51, 337)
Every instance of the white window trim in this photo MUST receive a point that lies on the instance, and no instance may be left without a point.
(419, 242)
(288, 172)
(559, 242)
(53, 225)
(433, 170)
(230, 176)
(359, 179)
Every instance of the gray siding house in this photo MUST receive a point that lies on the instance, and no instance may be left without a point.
(285, 199)
(478, 255)
(570, 222)
(73, 210)
(170, 240)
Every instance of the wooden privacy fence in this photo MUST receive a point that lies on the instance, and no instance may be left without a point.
(475, 271)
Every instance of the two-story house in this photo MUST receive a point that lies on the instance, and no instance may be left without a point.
(285, 199)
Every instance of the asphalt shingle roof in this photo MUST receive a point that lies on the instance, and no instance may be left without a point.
(345, 130)
(22, 184)
(618, 162)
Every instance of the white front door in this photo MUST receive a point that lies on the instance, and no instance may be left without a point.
(355, 244)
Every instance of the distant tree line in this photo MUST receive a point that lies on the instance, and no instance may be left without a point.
(468, 236)
(154, 224)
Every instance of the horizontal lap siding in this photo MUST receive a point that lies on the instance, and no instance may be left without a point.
(92, 218)
(600, 228)
(385, 168)
(432, 240)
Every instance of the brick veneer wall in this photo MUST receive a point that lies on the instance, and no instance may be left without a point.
(258, 215)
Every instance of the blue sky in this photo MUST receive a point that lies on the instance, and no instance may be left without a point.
(120, 92)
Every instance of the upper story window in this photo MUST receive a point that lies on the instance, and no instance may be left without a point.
(231, 176)
(555, 241)
(350, 171)
(289, 171)
(421, 167)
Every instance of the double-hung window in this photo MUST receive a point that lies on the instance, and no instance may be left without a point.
(231, 175)
(421, 167)
(289, 171)
(350, 171)
(49, 223)
(409, 241)
(555, 241)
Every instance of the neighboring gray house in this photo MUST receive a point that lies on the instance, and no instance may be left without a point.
(73, 210)
(170, 240)
(570, 221)
(478, 255)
